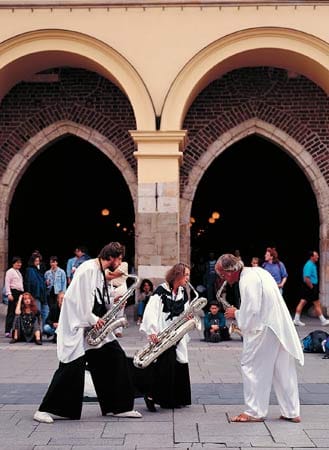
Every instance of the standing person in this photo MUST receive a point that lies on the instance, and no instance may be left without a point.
(55, 279)
(275, 267)
(69, 269)
(255, 261)
(270, 342)
(210, 277)
(170, 379)
(117, 287)
(310, 290)
(81, 254)
(14, 287)
(85, 302)
(145, 291)
(27, 323)
(34, 283)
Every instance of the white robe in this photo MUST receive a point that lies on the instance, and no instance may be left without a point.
(76, 312)
(154, 321)
(270, 345)
(263, 306)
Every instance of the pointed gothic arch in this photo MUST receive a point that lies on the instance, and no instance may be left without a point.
(36, 144)
(287, 143)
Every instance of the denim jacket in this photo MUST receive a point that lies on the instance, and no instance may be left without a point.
(57, 280)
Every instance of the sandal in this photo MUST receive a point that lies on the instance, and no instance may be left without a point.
(291, 419)
(243, 418)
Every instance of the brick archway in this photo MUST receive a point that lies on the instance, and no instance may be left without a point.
(33, 146)
(305, 155)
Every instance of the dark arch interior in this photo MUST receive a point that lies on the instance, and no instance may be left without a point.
(262, 195)
(264, 199)
(57, 204)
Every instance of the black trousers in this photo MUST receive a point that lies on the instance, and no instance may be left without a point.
(111, 376)
(11, 310)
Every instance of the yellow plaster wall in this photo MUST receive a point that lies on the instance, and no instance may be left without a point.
(159, 41)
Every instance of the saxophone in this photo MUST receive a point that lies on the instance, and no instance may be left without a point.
(233, 328)
(172, 334)
(95, 337)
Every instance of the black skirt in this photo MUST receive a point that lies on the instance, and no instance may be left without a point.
(166, 380)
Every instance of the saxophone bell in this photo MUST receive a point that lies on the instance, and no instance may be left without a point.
(233, 328)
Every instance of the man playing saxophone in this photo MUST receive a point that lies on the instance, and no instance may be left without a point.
(170, 380)
(83, 307)
(271, 345)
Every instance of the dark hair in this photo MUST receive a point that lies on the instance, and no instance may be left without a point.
(214, 303)
(82, 248)
(32, 259)
(15, 259)
(175, 272)
(53, 258)
(146, 281)
(113, 249)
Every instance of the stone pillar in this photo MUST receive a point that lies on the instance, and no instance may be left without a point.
(157, 218)
(324, 275)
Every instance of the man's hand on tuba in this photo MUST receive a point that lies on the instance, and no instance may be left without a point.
(230, 312)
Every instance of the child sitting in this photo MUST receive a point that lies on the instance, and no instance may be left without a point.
(215, 329)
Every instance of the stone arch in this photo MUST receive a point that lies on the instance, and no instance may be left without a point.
(33, 146)
(300, 153)
(42, 49)
(275, 47)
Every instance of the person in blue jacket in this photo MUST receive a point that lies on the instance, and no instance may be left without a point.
(214, 323)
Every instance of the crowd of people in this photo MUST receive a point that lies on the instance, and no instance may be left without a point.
(66, 304)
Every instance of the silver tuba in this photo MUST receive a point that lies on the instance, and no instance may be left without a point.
(94, 336)
(233, 328)
(172, 334)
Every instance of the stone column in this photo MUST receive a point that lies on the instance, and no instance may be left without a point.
(157, 217)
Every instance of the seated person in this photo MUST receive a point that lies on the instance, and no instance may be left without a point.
(215, 329)
(27, 322)
(51, 324)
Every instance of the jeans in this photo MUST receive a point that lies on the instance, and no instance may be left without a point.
(44, 310)
(49, 330)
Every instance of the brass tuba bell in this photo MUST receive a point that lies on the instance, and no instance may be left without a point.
(234, 329)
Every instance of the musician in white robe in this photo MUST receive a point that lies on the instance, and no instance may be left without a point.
(271, 344)
(170, 381)
(83, 306)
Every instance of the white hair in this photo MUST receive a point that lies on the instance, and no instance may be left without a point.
(229, 263)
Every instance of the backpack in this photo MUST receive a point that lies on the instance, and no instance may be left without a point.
(312, 343)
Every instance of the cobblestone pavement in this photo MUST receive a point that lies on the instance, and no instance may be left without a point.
(217, 393)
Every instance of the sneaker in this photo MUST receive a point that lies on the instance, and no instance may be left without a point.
(300, 323)
(43, 417)
(324, 323)
(134, 414)
(7, 335)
